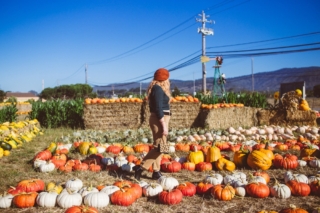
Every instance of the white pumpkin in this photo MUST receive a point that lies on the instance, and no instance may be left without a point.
(298, 177)
(101, 149)
(168, 183)
(5, 200)
(47, 199)
(107, 161)
(302, 163)
(240, 191)
(87, 190)
(315, 163)
(313, 178)
(68, 199)
(109, 190)
(239, 183)
(143, 183)
(280, 190)
(121, 160)
(97, 199)
(152, 190)
(47, 167)
(37, 163)
(258, 179)
(74, 184)
(214, 179)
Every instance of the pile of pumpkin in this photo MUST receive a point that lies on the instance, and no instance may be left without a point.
(112, 100)
(13, 135)
(34, 192)
(188, 98)
(221, 105)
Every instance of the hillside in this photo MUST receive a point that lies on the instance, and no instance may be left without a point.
(263, 81)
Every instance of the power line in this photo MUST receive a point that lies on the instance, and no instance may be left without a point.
(62, 79)
(124, 54)
(254, 42)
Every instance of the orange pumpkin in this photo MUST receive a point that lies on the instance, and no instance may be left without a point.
(25, 200)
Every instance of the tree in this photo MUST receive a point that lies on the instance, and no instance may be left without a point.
(2, 95)
(68, 92)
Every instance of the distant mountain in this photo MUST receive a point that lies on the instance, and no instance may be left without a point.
(263, 81)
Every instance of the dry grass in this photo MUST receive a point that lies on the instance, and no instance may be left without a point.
(18, 166)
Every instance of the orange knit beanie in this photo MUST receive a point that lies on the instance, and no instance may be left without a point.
(161, 75)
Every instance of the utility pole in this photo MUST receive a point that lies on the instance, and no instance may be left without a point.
(194, 86)
(140, 89)
(86, 74)
(204, 31)
(252, 77)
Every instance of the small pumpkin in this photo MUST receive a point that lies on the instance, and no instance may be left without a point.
(152, 190)
(5, 200)
(223, 164)
(222, 192)
(25, 200)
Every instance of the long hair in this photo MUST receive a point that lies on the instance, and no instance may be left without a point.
(165, 85)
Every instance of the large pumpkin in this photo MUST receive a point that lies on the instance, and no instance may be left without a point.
(188, 189)
(257, 189)
(171, 197)
(31, 185)
(123, 197)
(213, 154)
(196, 156)
(259, 160)
(286, 162)
(293, 209)
(81, 209)
(299, 188)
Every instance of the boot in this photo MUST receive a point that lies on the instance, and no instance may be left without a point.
(156, 175)
(138, 171)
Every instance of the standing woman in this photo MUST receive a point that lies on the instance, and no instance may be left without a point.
(158, 94)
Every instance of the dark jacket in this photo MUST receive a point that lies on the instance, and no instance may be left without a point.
(158, 101)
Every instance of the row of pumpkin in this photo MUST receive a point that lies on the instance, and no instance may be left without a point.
(13, 135)
(34, 192)
(200, 158)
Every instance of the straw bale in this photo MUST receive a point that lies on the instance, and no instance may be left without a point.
(184, 114)
(222, 118)
(112, 116)
(300, 117)
(286, 117)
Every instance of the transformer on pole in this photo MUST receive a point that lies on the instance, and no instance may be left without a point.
(204, 31)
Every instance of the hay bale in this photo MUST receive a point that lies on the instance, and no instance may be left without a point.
(286, 117)
(300, 118)
(222, 118)
(184, 114)
(112, 116)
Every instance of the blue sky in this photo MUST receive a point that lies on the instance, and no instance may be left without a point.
(47, 43)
